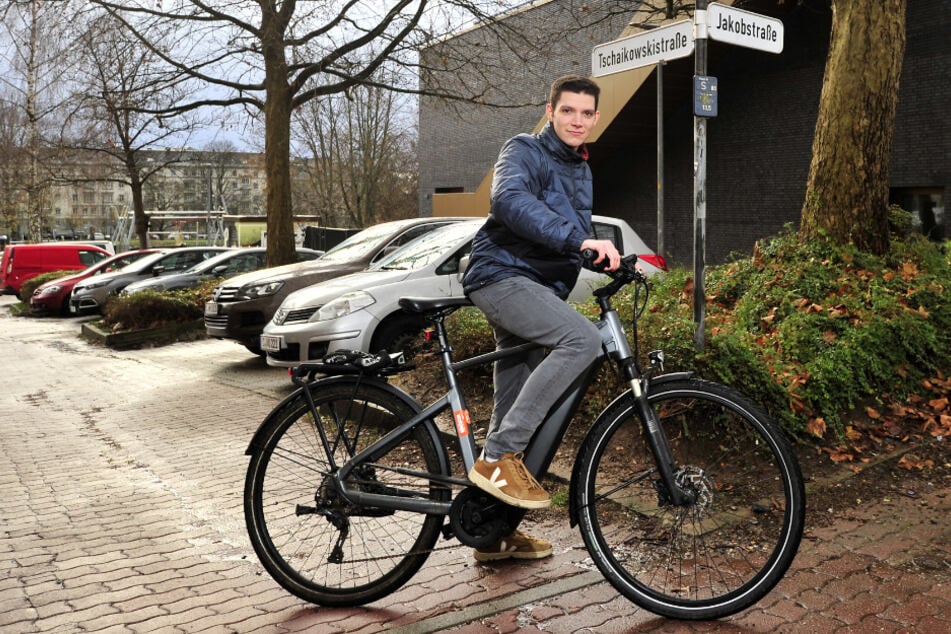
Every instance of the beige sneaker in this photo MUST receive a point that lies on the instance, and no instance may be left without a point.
(508, 480)
(518, 545)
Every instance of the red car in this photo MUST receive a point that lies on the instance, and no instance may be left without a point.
(53, 296)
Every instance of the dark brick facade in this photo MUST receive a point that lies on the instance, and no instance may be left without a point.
(759, 144)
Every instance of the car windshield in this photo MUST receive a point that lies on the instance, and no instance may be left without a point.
(143, 263)
(428, 248)
(358, 245)
(206, 265)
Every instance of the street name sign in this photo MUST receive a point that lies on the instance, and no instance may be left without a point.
(644, 49)
(744, 28)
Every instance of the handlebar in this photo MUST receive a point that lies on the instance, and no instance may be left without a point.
(622, 276)
(628, 267)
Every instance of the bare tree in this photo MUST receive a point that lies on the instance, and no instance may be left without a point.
(847, 190)
(360, 165)
(12, 177)
(119, 109)
(35, 60)
(274, 56)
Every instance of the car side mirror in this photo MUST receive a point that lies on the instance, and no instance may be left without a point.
(157, 270)
(463, 265)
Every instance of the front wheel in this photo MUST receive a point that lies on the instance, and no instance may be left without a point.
(313, 542)
(731, 543)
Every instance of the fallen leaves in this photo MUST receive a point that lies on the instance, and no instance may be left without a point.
(911, 420)
(911, 462)
(816, 426)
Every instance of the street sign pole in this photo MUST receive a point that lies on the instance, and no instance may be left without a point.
(699, 181)
(660, 159)
(672, 41)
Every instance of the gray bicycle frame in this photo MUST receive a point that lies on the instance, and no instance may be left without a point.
(541, 449)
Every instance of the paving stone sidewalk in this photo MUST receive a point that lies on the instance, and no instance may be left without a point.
(121, 476)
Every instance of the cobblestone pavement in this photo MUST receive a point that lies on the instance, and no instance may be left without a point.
(121, 477)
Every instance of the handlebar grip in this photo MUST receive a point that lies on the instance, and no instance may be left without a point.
(589, 256)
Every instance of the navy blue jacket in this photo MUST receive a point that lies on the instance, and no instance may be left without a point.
(540, 213)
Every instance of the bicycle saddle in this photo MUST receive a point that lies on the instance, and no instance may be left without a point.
(431, 304)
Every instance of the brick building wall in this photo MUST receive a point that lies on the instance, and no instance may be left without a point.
(759, 144)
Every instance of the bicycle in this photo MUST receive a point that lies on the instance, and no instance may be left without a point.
(688, 496)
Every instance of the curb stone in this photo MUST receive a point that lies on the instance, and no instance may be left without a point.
(162, 335)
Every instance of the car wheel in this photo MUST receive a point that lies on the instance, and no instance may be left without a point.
(398, 333)
(255, 348)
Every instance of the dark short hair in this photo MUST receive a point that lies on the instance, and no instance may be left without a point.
(573, 83)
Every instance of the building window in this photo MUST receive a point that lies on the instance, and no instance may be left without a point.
(926, 205)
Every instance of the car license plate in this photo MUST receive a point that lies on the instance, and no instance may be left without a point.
(211, 309)
(73, 309)
(271, 343)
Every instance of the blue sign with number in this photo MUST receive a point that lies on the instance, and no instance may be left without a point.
(704, 96)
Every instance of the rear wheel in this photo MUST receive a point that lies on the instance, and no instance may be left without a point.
(315, 544)
(727, 547)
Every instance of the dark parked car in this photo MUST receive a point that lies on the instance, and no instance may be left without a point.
(53, 296)
(90, 294)
(242, 305)
(227, 264)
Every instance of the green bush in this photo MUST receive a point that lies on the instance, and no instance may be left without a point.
(814, 329)
(810, 330)
(27, 288)
(150, 309)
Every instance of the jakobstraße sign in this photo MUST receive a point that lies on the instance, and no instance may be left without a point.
(744, 28)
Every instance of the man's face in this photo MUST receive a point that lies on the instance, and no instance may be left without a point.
(573, 117)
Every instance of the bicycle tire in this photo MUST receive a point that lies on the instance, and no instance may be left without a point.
(723, 552)
(288, 472)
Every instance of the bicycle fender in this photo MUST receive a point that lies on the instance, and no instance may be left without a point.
(351, 379)
(575, 475)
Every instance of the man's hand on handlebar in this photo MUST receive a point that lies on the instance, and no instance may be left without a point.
(606, 256)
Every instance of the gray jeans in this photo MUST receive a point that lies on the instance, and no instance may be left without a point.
(527, 386)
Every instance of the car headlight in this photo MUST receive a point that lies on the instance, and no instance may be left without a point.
(261, 290)
(344, 305)
(49, 290)
(90, 286)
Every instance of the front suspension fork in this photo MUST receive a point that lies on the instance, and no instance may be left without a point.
(656, 438)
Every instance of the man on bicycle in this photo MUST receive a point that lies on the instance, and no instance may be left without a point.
(525, 260)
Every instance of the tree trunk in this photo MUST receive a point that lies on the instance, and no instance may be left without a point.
(847, 190)
(280, 214)
(138, 208)
(277, 145)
